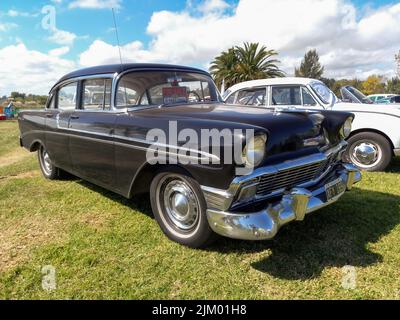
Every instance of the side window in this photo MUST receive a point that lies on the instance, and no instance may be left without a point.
(308, 99)
(289, 95)
(66, 99)
(126, 94)
(97, 94)
(251, 97)
(231, 99)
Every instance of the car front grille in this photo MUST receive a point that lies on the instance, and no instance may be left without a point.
(292, 177)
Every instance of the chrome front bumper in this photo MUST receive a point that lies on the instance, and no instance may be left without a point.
(294, 205)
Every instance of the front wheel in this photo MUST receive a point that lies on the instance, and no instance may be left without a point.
(369, 151)
(180, 209)
(47, 167)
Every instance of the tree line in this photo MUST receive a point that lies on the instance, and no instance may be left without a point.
(252, 61)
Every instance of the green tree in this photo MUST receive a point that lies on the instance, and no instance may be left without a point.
(393, 86)
(310, 66)
(249, 62)
(223, 68)
(256, 63)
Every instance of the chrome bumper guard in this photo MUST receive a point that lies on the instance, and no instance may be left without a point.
(294, 205)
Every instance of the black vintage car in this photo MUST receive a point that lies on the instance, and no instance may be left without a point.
(106, 124)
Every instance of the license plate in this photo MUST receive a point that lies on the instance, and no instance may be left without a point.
(334, 188)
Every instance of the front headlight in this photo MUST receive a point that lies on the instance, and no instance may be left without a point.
(346, 128)
(254, 151)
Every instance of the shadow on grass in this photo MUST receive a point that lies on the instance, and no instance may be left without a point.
(335, 236)
(140, 202)
(394, 166)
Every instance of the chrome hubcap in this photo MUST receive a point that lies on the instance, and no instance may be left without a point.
(366, 154)
(46, 162)
(180, 203)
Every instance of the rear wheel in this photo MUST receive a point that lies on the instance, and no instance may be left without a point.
(47, 167)
(369, 151)
(180, 209)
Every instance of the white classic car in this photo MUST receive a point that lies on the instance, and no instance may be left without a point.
(375, 137)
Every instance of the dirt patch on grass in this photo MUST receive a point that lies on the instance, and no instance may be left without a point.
(24, 175)
(13, 157)
(18, 238)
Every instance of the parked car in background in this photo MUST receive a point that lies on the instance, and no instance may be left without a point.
(391, 100)
(96, 125)
(352, 95)
(375, 98)
(375, 136)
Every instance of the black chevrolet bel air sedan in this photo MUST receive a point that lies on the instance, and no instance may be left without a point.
(210, 168)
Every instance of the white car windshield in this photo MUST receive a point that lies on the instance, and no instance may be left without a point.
(324, 93)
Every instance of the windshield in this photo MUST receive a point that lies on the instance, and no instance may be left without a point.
(359, 95)
(165, 88)
(323, 92)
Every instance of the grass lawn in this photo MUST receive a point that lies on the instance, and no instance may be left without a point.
(103, 246)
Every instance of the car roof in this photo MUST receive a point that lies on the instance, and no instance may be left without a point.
(119, 68)
(272, 81)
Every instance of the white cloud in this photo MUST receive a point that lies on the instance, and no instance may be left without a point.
(29, 70)
(14, 13)
(351, 43)
(348, 46)
(7, 26)
(210, 6)
(58, 52)
(62, 37)
(95, 4)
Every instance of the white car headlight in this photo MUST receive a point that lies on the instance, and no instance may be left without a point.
(346, 129)
(254, 151)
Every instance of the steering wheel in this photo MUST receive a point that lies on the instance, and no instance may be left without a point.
(196, 95)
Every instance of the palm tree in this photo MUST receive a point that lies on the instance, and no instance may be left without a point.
(245, 63)
(255, 63)
(223, 68)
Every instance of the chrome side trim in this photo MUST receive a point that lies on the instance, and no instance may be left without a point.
(266, 223)
(202, 156)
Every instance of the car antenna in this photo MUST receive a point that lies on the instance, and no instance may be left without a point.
(119, 49)
(116, 33)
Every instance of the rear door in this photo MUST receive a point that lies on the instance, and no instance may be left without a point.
(91, 133)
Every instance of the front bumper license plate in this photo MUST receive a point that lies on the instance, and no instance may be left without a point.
(334, 188)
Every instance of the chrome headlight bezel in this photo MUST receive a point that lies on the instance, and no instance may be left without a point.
(254, 151)
(345, 130)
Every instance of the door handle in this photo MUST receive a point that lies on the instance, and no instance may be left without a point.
(49, 115)
(74, 117)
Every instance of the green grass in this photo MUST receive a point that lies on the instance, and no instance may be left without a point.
(106, 247)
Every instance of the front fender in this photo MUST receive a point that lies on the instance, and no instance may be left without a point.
(387, 124)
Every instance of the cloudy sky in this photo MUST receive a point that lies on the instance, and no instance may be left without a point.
(42, 40)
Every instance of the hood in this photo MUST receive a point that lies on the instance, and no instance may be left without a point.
(287, 130)
(393, 109)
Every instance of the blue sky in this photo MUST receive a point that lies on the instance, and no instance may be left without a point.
(193, 32)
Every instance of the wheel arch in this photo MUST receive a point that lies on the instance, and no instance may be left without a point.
(366, 130)
(142, 179)
(34, 146)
